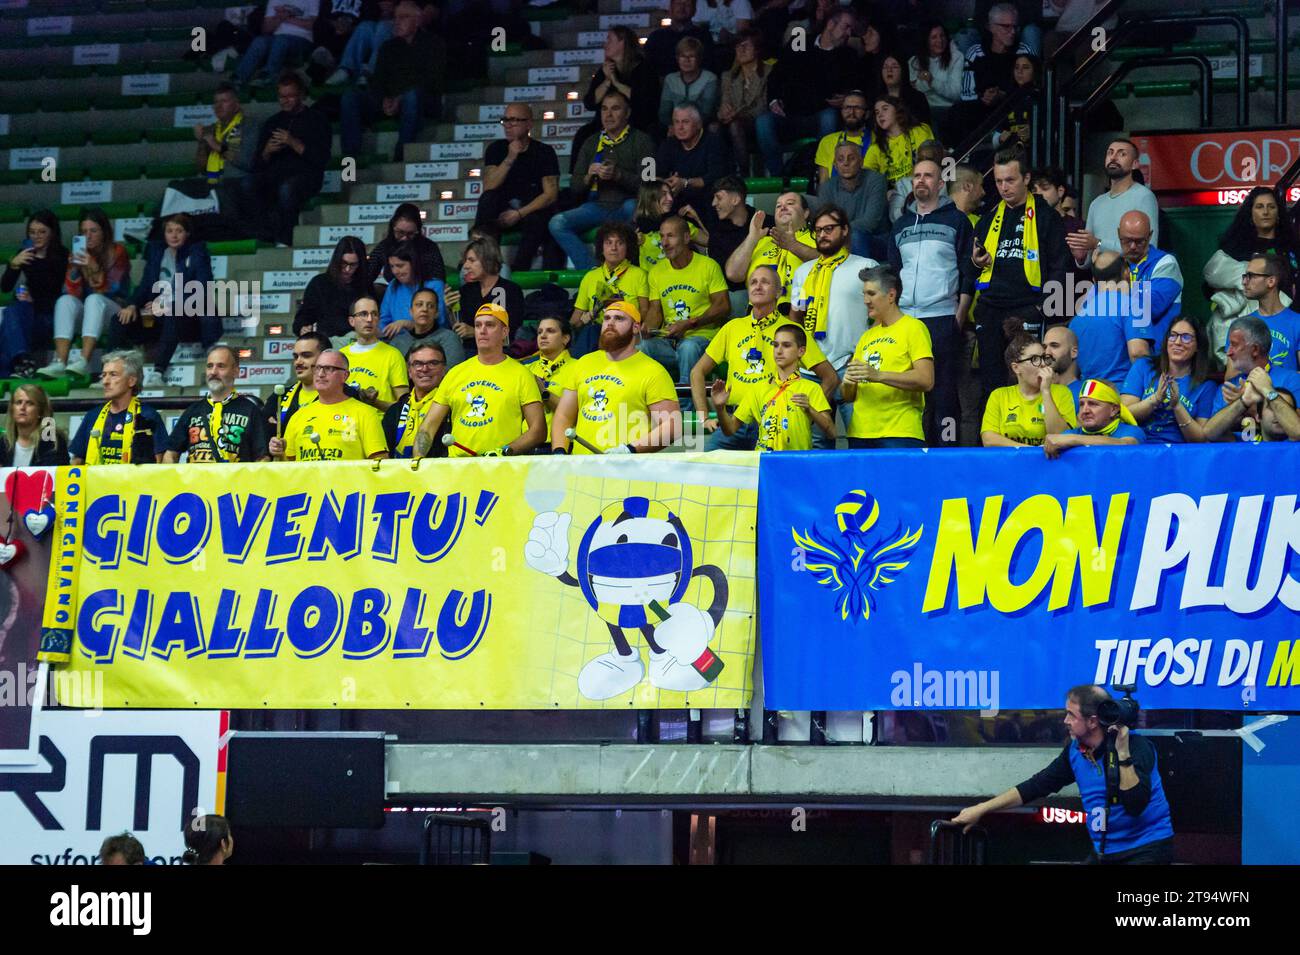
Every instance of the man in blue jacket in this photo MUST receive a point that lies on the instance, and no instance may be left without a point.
(1155, 277)
(930, 248)
(1123, 799)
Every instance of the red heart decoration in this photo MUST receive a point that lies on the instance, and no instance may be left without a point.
(28, 490)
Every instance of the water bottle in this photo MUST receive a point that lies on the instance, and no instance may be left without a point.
(20, 291)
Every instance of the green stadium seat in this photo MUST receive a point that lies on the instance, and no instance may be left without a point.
(15, 177)
(233, 247)
(69, 139)
(176, 99)
(10, 214)
(115, 137)
(171, 170)
(168, 134)
(114, 171)
(114, 210)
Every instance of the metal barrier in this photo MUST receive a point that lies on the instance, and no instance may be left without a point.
(455, 840)
(949, 845)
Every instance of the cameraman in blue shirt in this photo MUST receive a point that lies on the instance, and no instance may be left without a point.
(1123, 799)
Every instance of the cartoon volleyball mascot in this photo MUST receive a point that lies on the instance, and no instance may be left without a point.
(633, 567)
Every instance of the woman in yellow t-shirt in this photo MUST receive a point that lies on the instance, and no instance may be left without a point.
(553, 337)
(653, 203)
(1017, 416)
(894, 141)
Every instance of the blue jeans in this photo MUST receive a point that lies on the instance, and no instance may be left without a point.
(745, 439)
(677, 356)
(771, 130)
(20, 327)
(362, 50)
(359, 108)
(567, 228)
(275, 50)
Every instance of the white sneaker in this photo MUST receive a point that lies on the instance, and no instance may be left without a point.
(338, 77)
(77, 364)
(55, 369)
(221, 59)
(610, 675)
(669, 673)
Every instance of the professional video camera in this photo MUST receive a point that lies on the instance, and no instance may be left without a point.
(1124, 710)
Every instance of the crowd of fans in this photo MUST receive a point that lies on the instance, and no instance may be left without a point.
(847, 320)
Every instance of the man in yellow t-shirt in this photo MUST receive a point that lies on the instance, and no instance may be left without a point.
(891, 369)
(746, 346)
(784, 410)
(334, 427)
(854, 113)
(688, 301)
(785, 247)
(615, 277)
(494, 402)
(377, 368)
(617, 399)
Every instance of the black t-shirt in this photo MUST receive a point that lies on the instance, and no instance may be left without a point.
(524, 180)
(1008, 286)
(725, 238)
(243, 429)
(505, 293)
(150, 438)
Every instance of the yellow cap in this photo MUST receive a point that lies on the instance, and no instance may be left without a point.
(626, 307)
(493, 310)
(1098, 390)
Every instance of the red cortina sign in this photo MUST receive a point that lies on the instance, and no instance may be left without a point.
(1185, 162)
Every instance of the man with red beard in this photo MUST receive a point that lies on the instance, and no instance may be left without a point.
(618, 399)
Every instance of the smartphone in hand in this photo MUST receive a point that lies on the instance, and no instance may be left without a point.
(79, 247)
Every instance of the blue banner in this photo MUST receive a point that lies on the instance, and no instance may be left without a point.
(997, 579)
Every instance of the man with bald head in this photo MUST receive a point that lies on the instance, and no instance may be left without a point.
(929, 247)
(1157, 281)
(334, 427)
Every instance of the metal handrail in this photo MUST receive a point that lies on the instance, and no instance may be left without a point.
(1125, 27)
(1109, 83)
(1109, 9)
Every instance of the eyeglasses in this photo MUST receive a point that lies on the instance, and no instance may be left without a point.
(827, 229)
(1037, 360)
(320, 368)
(1255, 275)
(513, 120)
(1185, 338)
(366, 314)
(417, 365)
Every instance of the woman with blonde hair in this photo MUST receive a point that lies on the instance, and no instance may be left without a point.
(30, 438)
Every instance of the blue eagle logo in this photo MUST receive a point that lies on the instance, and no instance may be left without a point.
(855, 563)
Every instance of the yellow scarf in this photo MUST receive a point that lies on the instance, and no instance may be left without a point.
(609, 280)
(818, 302)
(408, 425)
(216, 162)
(93, 455)
(214, 431)
(606, 141)
(1029, 242)
(286, 401)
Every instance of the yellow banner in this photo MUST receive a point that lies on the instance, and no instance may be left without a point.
(508, 583)
(61, 589)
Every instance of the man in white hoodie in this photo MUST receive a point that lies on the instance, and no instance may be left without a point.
(929, 249)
